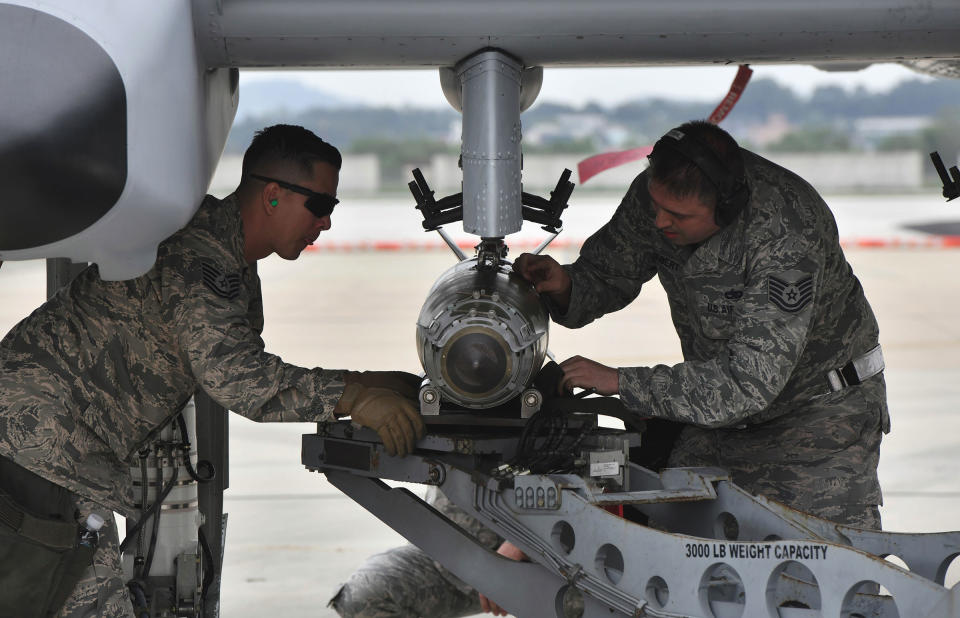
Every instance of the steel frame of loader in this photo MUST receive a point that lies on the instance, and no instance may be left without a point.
(710, 548)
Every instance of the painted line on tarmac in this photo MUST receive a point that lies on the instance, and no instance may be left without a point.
(921, 494)
(258, 497)
(894, 242)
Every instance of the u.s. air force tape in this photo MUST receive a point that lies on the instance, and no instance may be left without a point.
(224, 285)
(790, 291)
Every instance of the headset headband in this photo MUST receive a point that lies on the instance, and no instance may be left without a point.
(732, 193)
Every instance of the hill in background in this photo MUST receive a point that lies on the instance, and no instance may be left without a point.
(914, 115)
(284, 97)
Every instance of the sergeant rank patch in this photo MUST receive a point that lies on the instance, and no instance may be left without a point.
(790, 294)
(220, 283)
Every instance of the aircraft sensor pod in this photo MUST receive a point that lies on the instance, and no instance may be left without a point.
(482, 334)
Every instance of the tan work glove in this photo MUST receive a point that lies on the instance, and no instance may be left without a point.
(407, 384)
(392, 416)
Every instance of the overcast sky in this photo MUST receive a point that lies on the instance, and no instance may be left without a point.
(607, 86)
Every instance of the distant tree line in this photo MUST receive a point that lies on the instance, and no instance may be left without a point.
(823, 122)
(829, 103)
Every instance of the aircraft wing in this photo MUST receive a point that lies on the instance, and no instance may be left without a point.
(113, 115)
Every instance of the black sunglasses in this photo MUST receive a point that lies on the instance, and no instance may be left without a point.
(320, 204)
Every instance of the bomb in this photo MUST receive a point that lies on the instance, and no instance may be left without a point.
(482, 334)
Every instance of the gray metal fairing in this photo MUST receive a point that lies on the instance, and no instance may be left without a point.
(68, 146)
(425, 33)
(120, 154)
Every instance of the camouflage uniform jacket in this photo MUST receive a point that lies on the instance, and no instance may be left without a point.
(764, 309)
(103, 365)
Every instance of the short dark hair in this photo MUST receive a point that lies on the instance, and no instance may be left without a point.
(679, 175)
(287, 143)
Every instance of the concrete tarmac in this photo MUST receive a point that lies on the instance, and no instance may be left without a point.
(292, 538)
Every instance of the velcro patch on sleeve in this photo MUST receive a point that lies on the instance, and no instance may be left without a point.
(790, 291)
(224, 285)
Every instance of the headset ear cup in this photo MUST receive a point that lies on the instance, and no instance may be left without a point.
(731, 188)
(720, 213)
(728, 209)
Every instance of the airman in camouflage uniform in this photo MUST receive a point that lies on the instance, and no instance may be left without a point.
(765, 305)
(90, 377)
(405, 581)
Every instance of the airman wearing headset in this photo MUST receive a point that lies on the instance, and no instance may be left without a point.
(782, 380)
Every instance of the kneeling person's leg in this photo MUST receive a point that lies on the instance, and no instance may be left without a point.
(405, 581)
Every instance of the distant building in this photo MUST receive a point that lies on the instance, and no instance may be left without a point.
(826, 171)
(873, 129)
(772, 130)
(855, 171)
(572, 127)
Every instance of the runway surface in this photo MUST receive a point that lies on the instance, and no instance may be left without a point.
(291, 537)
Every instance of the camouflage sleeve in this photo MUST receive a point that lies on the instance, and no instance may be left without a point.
(769, 331)
(614, 263)
(210, 300)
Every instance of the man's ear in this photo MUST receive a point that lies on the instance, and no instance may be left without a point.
(270, 198)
